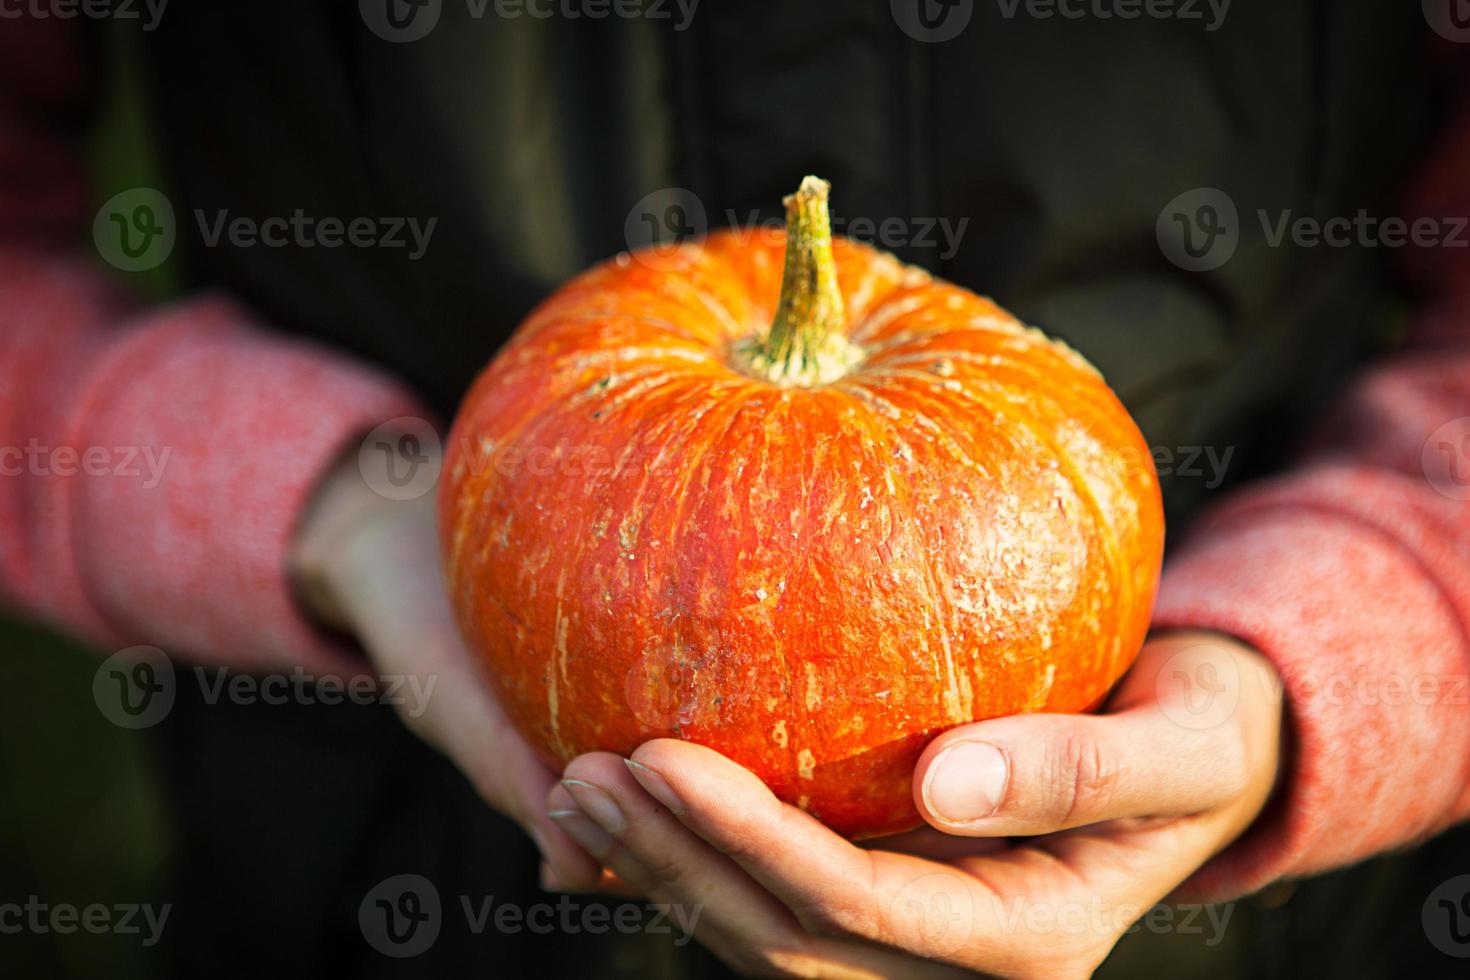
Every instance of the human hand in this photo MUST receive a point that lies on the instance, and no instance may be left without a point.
(1115, 810)
(370, 566)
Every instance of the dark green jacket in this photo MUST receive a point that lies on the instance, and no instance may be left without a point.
(1026, 158)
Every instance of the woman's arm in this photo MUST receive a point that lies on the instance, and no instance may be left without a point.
(1352, 575)
(215, 485)
(152, 461)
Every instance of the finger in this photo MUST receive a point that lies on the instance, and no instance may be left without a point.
(572, 821)
(789, 853)
(1057, 905)
(644, 845)
(744, 924)
(841, 892)
(607, 883)
(1038, 774)
(965, 913)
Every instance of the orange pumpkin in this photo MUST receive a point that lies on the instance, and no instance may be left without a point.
(808, 513)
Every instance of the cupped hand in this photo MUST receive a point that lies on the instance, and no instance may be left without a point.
(370, 565)
(1049, 836)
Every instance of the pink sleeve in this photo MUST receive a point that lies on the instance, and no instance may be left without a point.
(152, 462)
(1352, 574)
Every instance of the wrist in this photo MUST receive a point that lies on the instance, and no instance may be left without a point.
(312, 551)
(334, 547)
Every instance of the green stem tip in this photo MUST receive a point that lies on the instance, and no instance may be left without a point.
(805, 344)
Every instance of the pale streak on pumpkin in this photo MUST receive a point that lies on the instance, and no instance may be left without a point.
(1083, 480)
(1055, 451)
(861, 511)
(557, 664)
(958, 699)
(860, 296)
(1050, 595)
(1040, 385)
(881, 359)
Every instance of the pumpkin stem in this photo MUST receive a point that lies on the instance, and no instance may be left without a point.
(805, 344)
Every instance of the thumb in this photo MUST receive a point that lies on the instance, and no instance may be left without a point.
(1037, 774)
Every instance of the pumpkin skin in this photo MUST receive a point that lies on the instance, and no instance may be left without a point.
(643, 540)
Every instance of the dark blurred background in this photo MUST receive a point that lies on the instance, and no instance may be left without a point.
(92, 813)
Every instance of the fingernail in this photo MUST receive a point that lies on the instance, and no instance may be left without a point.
(657, 786)
(598, 803)
(593, 838)
(966, 782)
